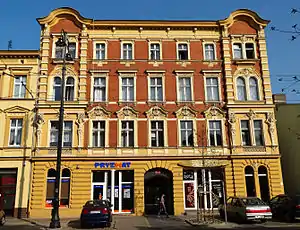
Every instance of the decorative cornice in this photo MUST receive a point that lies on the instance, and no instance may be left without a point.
(156, 112)
(98, 111)
(16, 109)
(127, 113)
(186, 112)
(214, 112)
(19, 53)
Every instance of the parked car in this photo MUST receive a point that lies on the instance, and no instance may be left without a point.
(2, 217)
(285, 207)
(96, 212)
(246, 209)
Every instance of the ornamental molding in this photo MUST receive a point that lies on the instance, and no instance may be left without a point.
(251, 115)
(156, 112)
(98, 112)
(16, 109)
(80, 123)
(232, 122)
(70, 71)
(271, 122)
(186, 112)
(127, 112)
(214, 112)
(246, 72)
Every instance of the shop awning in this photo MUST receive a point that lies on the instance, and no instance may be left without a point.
(206, 163)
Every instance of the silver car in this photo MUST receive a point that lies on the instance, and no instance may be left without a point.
(246, 209)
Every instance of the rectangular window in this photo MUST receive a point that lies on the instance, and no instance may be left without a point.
(250, 53)
(186, 131)
(212, 89)
(209, 52)
(156, 90)
(59, 51)
(258, 133)
(185, 92)
(215, 133)
(155, 51)
(127, 134)
(20, 87)
(72, 49)
(99, 89)
(127, 89)
(15, 137)
(157, 133)
(67, 133)
(237, 51)
(98, 133)
(183, 53)
(246, 141)
(100, 51)
(127, 51)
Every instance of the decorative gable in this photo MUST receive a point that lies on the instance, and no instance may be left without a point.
(156, 112)
(186, 112)
(214, 112)
(16, 109)
(127, 112)
(98, 112)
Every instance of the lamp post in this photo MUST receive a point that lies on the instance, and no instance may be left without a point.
(64, 44)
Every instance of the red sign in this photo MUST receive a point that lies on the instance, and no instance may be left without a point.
(5, 180)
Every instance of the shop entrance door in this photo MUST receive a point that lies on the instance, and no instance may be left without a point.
(158, 181)
(8, 181)
(99, 191)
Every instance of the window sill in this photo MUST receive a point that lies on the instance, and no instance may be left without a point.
(245, 61)
(60, 61)
(184, 102)
(250, 102)
(127, 103)
(156, 102)
(213, 102)
(254, 148)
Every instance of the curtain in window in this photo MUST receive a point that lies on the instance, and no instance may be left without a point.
(253, 89)
(241, 89)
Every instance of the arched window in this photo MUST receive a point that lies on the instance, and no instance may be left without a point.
(69, 89)
(50, 187)
(253, 89)
(57, 88)
(241, 89)
(65, 188)
(250, 181)
(263, 183)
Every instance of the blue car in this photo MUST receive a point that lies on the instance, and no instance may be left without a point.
(96, 212)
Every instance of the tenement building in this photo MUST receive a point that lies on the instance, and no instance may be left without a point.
(18, 82)
(154, 107)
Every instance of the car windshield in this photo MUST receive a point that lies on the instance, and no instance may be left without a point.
(96, 203)
(252, 201)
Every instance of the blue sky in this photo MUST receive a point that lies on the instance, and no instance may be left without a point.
(18, 23)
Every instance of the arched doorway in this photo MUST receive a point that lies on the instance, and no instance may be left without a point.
(158, 181)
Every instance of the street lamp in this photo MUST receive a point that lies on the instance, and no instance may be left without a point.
(63, 43)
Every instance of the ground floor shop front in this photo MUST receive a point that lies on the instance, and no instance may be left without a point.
(135, 186)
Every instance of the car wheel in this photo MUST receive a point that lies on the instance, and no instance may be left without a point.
(2, 220)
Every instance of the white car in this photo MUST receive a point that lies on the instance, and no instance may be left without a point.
(246, 209)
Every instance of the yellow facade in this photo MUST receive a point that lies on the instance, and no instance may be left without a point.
(13, 156)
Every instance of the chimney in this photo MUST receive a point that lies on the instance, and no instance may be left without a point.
(279, 98)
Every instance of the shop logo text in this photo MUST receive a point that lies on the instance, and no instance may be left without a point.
(112, 164)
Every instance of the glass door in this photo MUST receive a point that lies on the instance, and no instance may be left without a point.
(99, 191)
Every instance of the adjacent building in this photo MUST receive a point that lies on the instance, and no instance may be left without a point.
(287, 116)
(18, 84)
(154, 107)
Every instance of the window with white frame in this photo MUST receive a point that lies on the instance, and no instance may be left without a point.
(212, 89)
(258, 133)
(157, 133)
(237, 51)
(19, 86)
(100, 51)
(69, 94)
(127, 89)
(209, 50)
(72, 49)
(241, 89)
(183, 51)
(156, 89)
(253, 88)
(127, 51)
(155, 51)
(185, 89)
(215, 133)
(186, 133)
(98, 133)
(67, 133)
(15, 137)
(127, 133)
(56, 88)
(99, 92)
(243, 50)
(245, 132)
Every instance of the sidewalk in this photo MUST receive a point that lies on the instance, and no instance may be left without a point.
(45, 222)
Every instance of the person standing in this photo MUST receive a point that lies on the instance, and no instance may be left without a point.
(162, 206)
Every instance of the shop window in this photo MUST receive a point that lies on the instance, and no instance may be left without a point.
(65, 188)
(189, 192)
(50, 187)
(264, 183)
(250, 181)
(98, 176)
